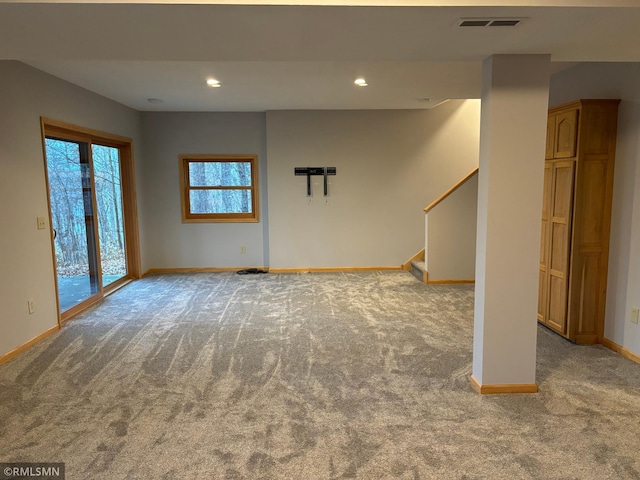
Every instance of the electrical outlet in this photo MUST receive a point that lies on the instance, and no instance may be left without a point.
(41, 223)
(634, 315)
(31, 305)
(243, 249)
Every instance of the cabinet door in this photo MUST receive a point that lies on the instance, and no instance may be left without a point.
(559, 243)
(551, 135)
(543, 285)
(566, 126)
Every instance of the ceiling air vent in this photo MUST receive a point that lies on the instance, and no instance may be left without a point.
(488, 22)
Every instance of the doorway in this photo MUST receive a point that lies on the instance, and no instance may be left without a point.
(91, 187)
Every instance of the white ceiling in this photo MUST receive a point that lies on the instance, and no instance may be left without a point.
(272, 57)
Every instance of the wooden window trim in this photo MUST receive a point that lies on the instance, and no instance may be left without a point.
(185, 188)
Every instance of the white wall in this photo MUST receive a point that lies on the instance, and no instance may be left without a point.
(616, 80)
(390, 165)
(171, 243)
(26, 263)
(451, 245)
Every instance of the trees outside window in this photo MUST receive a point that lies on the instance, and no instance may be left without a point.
(219, 188)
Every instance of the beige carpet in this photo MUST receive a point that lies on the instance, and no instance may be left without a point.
(317, 376)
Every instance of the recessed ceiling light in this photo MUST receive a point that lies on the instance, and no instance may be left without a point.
(361, 82)
(154, 100)
(212, 82)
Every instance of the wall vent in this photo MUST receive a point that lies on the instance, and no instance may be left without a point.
(489, 22)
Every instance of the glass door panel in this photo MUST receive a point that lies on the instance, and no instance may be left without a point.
(107, 180)
(72, 211)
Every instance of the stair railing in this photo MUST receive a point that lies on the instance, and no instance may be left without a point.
(434, 204)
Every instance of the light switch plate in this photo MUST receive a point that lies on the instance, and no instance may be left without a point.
(634, 315)
(42, 224)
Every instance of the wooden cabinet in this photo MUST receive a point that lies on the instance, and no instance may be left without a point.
(576, 216)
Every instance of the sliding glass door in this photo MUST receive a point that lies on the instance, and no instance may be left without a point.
(73, 219)
(106, 173)
(91, 194)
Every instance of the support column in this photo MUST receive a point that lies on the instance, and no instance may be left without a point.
(515, 95)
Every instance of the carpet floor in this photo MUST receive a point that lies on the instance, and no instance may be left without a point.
(307, 376)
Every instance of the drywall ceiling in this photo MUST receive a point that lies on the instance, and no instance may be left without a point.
(271, 57)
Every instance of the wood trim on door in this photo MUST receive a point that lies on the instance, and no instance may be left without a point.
(68, 131)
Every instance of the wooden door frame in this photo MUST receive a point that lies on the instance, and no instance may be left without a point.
(68, 131)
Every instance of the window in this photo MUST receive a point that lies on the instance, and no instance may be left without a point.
(219, 188)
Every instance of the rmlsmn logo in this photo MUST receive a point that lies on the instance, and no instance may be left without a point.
(42, 471)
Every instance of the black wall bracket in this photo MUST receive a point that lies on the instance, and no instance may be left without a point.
(308, 171)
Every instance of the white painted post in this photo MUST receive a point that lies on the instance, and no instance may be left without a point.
(515, 91)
